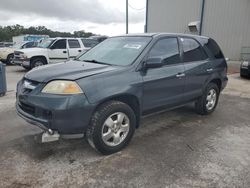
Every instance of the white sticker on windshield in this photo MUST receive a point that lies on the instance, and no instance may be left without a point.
(133, 46)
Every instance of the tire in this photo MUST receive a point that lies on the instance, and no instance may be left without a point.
(2, 94)
(205, 107)
(244, 76)
(27, 68)
(101, 127)
(9, 60)
(37, 62)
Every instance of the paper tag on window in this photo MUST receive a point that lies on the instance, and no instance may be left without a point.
(133, 46)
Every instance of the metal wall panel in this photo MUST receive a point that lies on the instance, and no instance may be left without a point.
(227, 21)
(172, 15)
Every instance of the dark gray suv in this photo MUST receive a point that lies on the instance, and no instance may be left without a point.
(104, 93)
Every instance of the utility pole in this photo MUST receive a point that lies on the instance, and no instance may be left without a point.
(126, 16)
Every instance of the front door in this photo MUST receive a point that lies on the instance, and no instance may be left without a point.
(58, 51)
(164, 86)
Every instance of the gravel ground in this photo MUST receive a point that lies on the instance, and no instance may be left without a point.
(171, 149)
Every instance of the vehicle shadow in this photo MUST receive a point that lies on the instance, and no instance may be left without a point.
(21, 70)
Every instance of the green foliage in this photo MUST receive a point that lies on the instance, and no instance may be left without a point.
(7, 32)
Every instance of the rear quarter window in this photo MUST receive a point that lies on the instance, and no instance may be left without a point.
(214, 48)
(192, 50)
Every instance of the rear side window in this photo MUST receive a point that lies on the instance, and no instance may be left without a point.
(214, 48)
(167, 49)
(74, 44)
(192, 51)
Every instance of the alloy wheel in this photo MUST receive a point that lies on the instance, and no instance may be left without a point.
(211, 99)
(115, 129)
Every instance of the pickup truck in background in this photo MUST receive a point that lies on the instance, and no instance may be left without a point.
(7, 53)
(52, 50)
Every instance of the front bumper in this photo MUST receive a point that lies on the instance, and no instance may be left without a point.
(3, 59)
(24, 62)
(245, 71)
(67, 114)
(224, 83)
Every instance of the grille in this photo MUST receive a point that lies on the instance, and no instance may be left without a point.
(17, 55)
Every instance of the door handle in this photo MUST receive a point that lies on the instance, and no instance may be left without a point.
(64, 52)
(179, 75)
(210, 70)
(79, 50)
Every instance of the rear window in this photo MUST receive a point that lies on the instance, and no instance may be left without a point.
(192, 51)
(213, 48)
(74, 43)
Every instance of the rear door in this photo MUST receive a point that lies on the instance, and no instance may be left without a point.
(197, 67)
(74, 48)
(58, 51)
(164, 86)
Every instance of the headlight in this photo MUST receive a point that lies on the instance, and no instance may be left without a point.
(245, 64)
(23, 56)
(62, 87)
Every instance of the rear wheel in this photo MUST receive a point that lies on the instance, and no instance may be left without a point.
(112, 127)
(207, 103)
(37, 62)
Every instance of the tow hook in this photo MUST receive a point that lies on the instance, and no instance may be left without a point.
(50, 136)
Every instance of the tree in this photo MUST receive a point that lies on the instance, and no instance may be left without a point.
(7, 32)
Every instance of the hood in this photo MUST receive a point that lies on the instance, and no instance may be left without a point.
(31, 50)
(71, 70)
(10, 50)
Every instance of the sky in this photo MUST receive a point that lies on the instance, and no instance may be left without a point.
(106, 17)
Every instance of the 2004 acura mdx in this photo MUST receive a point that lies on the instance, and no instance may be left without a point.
(104, 92)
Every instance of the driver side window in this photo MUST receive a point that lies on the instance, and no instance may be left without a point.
(166, 49)
(60, 44)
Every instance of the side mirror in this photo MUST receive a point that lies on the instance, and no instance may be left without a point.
(154, 62)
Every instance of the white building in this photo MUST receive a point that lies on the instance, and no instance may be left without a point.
(226, 21)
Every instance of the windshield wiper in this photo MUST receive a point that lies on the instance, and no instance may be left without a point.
(95, 61)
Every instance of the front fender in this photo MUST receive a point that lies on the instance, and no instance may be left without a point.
(36, 52)
(107, 85)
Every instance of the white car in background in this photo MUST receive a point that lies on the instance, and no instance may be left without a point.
(53, 50)
(7, 53)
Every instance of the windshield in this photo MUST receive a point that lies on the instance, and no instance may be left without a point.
(18, 45)
(45, 43)
(117, 51)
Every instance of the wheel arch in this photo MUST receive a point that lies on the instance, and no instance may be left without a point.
(130, 100)
(40, 56)
(10, 54)
(218, 82)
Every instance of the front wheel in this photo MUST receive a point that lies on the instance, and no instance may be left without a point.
(10, 59)
(207, 103)
(112, 127)
(37, 62)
